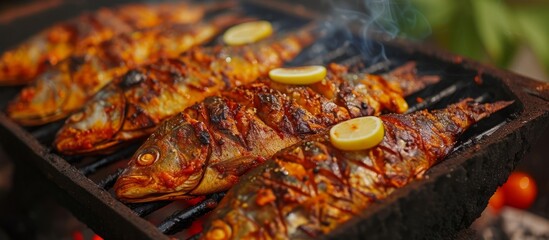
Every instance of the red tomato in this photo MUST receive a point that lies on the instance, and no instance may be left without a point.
(497, 201)
(520, 190)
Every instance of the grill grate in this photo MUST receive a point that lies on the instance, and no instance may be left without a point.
(182, 219)
(457, 81)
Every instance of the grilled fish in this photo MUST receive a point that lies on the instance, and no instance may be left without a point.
(23, 63)
(131, 106)
(206, 148)
(310, 188)
(65, 87)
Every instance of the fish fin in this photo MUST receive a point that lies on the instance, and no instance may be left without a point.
(238, 166)
(222, 176)
(406, 76)
(213, 182)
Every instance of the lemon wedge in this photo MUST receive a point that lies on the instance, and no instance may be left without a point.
(249, 32)
(358, 133)
(298, 75)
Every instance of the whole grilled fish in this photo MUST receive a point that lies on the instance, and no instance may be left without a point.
(206, 148)
(131, 106)
(66, 86)
(310, 188)
(23, 63)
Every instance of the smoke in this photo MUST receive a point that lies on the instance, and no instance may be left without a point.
(373, 19)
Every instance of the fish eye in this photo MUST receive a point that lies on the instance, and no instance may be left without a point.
(148, 157)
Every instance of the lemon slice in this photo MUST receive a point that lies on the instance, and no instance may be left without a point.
(358, 133)
(249, 32)
(298, 75)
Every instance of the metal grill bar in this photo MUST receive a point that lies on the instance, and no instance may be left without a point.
(430, 101)
(109, 181)
(144, 209)
(376, 67)
(93, 167)
(479, 137)
(46, 132)
(183, 219)
(73, 159)
(329, 56)
(482, 98)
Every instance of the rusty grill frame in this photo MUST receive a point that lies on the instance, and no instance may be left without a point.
(475, 170)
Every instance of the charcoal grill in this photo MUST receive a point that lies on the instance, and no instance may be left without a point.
(447, 200)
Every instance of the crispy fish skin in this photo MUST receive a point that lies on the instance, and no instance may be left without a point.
(65, 87)
(131, 106)
(23, 63)
(310, 188)
(207, 147)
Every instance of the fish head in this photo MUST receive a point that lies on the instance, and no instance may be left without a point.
(93, 128)
(169, 165)
(43, 100)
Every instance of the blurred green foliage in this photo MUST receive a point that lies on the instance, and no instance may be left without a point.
(487, 30)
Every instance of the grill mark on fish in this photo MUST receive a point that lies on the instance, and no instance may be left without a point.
(354, 106)
(202, 133)
(283, 185)
(132, 78)
(221, 117)
(75, 62)
(204, 137)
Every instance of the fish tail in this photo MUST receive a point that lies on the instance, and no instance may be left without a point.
(467, 112)
(478, 111)
(441, 128)
(407, 78)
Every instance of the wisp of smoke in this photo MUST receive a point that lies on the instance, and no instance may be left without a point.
(380, 18)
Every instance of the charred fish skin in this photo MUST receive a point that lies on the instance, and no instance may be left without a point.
(65, 87)
(310, 188)
(23, 63)
(241, 127)
(167, 87)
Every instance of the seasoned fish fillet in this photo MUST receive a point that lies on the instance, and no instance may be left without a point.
(310, 188)
(207, 147)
